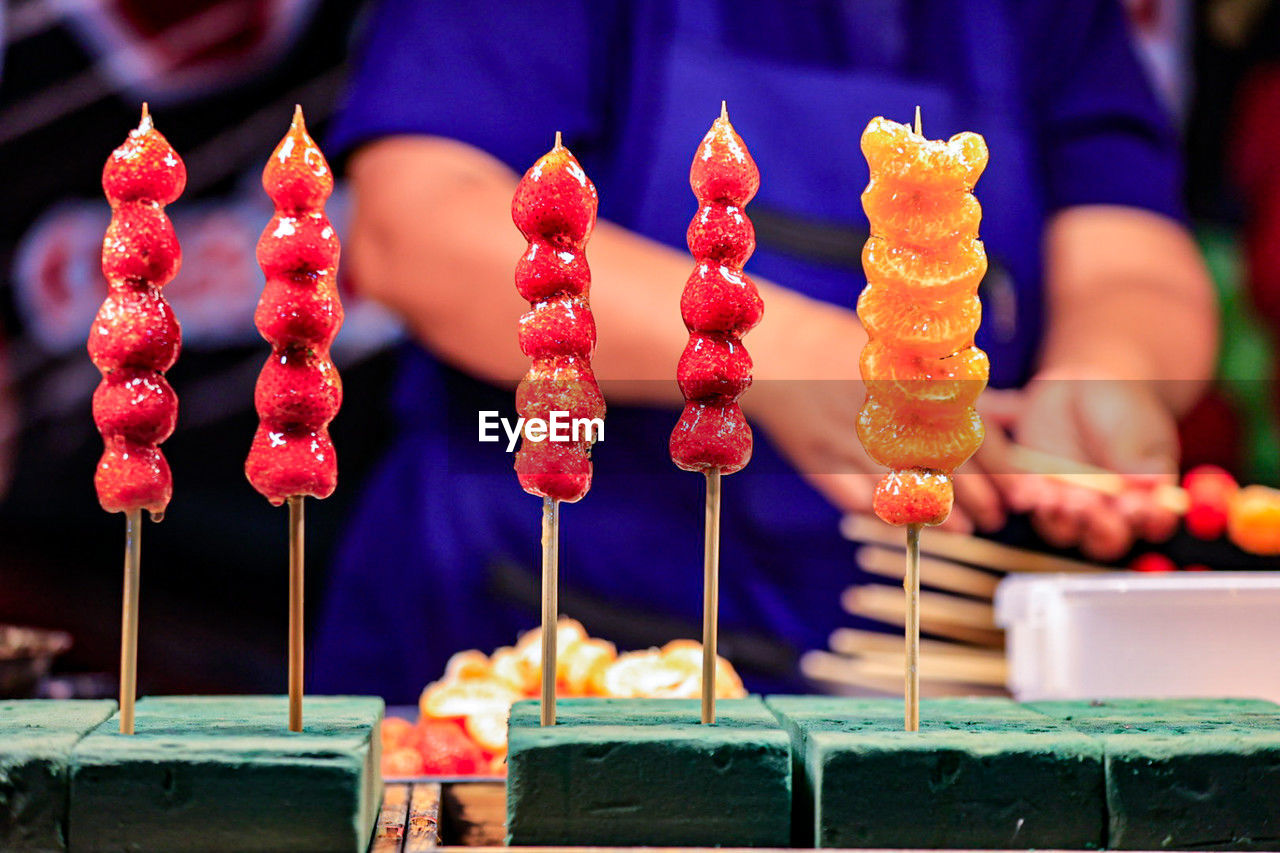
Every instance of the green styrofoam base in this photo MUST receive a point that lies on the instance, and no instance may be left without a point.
(980, 773)
(1193, 774)
(223, 773)
(625, 772)
(36, 739)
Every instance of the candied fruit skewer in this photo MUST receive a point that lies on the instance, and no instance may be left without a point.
(134, 339)
(298, 391)
(920, 309)
(555, 208)
(719, 305)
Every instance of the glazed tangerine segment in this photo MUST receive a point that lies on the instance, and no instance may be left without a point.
(924, 327)
(941, 274)
(952, 382)
(907, 438)
(897, 153)
(919, 217)
(914, 496)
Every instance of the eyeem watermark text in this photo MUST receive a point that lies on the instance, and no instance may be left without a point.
(557, 426)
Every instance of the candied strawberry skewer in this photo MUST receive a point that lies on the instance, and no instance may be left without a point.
(920, 309)
(555, 207)
(134, 339)
(719, 305)
(298, 391)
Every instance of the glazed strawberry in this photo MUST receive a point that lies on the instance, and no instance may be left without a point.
(913, 496)
(299, 311)
(720, 299)
(719, 305)
(555, 209)
(298, 391)
(920, 309)
(713, 367)
(558, 327)
(135, 337)
(709, 436)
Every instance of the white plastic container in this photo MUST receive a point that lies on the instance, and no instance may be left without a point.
(1140, 634)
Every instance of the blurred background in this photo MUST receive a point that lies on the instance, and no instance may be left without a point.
(221, 77)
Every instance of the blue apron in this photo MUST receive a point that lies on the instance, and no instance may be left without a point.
(443, 552)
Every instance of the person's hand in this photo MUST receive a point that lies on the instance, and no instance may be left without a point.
(1120, 425)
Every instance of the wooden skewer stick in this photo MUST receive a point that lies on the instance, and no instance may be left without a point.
(1170, 497)
(934, 572)
(129, 618)
(550, 605)
(297, 563)
(855, 642)
(936, 618)
(710, 596)
(840, 672)
(911, 584)
(965, 548)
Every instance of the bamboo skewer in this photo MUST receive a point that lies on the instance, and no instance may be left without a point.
(841, 672)
(887, 607)
(297, 576)
(1170, 497)
(129, 618)
(935, 572)
(911, 632)
(550, 605)
(965, 548)
(854, 642)
(710, 596)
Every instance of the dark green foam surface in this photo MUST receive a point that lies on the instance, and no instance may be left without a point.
(36, 739)
(646, 772)
(223, 773)
(1186, 774)
(980, 773)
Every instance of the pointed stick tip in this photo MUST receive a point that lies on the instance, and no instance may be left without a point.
(918, 128)
(724, 110)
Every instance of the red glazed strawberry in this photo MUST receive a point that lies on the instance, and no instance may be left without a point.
(721, 234)
(298, 388)
(144, 168)
(287, 462)
(554, 469)
(545, 271)
(711, 436)
(140, 245)
(713, 366)
(555, 200)
(720, 299)
(913, 496)
(299, 391)
(135, 327)
(555, 209)
(558, 327)
(135, 337)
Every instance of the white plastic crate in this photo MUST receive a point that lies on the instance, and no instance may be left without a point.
(1141, 634)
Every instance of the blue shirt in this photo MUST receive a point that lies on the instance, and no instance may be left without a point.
(442, 554)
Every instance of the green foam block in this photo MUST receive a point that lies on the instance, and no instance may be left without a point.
(980, 773)
(36, 739)
(624, 772)
(1199, 774)
(224, 773)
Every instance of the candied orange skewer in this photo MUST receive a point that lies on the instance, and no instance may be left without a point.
(920, 309)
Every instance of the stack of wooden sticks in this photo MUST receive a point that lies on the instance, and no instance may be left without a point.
(963, 653)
